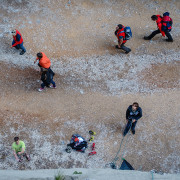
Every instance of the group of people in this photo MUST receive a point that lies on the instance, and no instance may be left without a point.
(44, 62)
(133, 113)
(164, 25)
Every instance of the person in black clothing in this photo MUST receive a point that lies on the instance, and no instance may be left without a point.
(47, 79)
(133, 113)
(77, 143)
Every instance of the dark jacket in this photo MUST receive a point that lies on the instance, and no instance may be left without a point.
(130, 114)
(47, 76)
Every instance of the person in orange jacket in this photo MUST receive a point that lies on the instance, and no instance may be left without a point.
(18, 41)
(44, 61)
(160, 24)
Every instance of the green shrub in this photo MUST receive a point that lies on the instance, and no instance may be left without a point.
(59, 176)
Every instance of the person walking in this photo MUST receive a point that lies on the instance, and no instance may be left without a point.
(120, 34)
(47, 79)
(44, 61)
(164, 25)
(19, 149)
(133, 113)
(18, 41)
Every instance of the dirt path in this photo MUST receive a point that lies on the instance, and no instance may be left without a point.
(95, 84)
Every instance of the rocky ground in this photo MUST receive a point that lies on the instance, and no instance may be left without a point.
(95, 83)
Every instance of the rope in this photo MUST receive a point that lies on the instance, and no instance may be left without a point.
(113, 163)
(152, 173)
(128, 135)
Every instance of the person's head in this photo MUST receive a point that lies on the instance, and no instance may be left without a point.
(13, 32)
(154, 17)
(16, 140)
(119, 26)
(39, 55)
(166, 14)
(135, 106)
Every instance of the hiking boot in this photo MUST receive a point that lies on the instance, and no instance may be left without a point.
(52, 87)
(40, 89)
(147, 38)
(27, 157)
(133, 131)
(22, 52)
(169, 40)
(117, 47)
(127, 52)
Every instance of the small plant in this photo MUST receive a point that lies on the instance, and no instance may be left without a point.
(59, 176)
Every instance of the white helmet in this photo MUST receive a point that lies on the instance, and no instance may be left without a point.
(13, 32)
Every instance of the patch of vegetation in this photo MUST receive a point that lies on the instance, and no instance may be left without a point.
(59, 176)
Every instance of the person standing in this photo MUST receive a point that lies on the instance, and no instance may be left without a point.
(19, 149)
(18, 41)
(120, 33)
(164, 25)
(133, 113)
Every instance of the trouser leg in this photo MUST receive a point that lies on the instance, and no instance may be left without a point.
(133, 127)
(154, 33)
(127, 127)
(17, 47)
(43, 85)
(169, 36)
(53, 83)
(22, 47)
(126, 49)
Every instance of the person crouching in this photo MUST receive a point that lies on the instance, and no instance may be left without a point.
(17, 41)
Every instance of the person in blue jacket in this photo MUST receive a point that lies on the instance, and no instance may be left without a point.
(133, 113)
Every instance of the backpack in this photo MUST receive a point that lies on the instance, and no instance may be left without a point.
(128, 33)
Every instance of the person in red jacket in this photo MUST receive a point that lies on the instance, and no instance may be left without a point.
(121, 38)
(164, 25)
(18, 41)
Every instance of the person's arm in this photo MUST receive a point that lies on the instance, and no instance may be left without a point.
(120, 42)
(127, 114)
(15, 155)
(139, 114)
(35, 60)
(22, 151)
(18, 38)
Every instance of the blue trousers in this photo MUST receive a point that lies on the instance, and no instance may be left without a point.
(128, 126)
(44, 84)
(19, 46)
